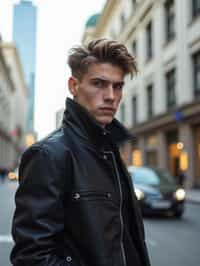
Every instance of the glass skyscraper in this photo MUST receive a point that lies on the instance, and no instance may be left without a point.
(24, 36)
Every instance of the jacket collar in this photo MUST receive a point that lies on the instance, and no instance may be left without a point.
(89, 129)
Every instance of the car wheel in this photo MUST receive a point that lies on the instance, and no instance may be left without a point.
(178, 213)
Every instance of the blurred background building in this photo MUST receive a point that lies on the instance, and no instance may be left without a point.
(24, 36)
(161, 105)
(17, 78)
(13, 103)
(59, 117)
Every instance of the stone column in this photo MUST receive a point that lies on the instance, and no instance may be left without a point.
(141, 146)
(186, 137)
(162, 151)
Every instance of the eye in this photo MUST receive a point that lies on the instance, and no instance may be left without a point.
(118, 85)
(99, 83)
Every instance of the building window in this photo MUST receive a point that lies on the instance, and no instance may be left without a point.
(134, 2)
(170, 20)
(134, 5)
(113, 34)
(123, 20)
(195, 7)
(196, 71)
(122, 111)
(171, 88)
(134, 110)
(134, 48)
(150, 101)
(149, 47)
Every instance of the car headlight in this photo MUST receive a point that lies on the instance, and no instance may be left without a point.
(180, 194)
(12, 176)
(139, 193)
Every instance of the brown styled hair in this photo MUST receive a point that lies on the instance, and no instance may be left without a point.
(101, 51)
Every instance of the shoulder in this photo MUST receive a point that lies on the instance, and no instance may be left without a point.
(46, 162)
(53, 145)
(50, 150)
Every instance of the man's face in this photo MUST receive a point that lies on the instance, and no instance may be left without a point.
(99, 91)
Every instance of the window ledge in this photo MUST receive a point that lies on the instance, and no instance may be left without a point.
(194, 19)
(168, 43)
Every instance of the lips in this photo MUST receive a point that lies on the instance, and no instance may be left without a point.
(108, 109)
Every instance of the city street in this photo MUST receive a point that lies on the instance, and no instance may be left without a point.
(175, 242)
(100, 86)
(171, 242)
(7, 191)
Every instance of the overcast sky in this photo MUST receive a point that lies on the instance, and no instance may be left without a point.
(60, 26)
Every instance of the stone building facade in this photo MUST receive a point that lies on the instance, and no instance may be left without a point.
(13, 99)
(161, 105)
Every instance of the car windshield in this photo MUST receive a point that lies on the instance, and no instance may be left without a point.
(152, 177)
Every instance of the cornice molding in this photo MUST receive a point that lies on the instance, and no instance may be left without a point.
(105, 16)
(11, 46)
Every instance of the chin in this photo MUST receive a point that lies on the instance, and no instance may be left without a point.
(105, 121)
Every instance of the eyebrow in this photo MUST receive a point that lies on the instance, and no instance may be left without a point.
(107, 80)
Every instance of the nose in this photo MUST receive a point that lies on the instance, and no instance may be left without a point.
(109, 93)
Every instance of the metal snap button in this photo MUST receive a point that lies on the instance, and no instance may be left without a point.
(76, 196)
(109, 195)
(69, 259)
(105, 157)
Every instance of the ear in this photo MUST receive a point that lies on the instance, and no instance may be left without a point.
(73, 85)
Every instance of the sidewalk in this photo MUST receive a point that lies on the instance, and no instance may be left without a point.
(193, 195)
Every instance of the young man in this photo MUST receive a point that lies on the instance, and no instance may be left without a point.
(75, 204)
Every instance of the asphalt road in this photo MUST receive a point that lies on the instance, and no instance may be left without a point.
(175, 242)
(171, 242)
(7, 191)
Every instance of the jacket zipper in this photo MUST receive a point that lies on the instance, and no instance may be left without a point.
(121, 201)
(89, 194)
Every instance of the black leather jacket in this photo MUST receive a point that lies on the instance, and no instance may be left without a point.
(68, 202)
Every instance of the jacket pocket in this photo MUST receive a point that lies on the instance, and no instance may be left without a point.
(91, 195)
(95, 219)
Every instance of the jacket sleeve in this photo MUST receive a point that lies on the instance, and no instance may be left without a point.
(38, 222)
